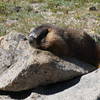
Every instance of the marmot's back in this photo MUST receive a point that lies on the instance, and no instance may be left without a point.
(66, 43)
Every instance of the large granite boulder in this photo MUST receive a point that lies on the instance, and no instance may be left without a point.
(23, 67)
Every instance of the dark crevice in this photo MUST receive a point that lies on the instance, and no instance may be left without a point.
(98, 98)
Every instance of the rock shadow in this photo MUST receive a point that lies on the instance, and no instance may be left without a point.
(57, 87)
(43, 90)
(98, 98)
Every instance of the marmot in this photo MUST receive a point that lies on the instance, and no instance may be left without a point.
(66, 42)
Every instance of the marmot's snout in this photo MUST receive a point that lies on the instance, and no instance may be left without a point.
(31, 39)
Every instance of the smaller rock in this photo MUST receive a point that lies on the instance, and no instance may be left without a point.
(93, 8)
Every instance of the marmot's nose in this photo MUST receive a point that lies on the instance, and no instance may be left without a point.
(31, 39)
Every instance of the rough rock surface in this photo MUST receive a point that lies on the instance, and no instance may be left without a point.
(23, 67)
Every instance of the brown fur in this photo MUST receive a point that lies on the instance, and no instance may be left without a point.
(68, 43)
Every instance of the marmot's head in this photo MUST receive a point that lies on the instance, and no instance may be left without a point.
(38, 34)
